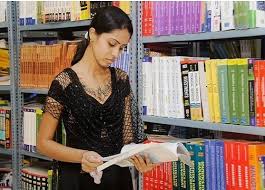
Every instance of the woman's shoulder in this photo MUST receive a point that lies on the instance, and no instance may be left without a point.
(121, 74)
(64, 77)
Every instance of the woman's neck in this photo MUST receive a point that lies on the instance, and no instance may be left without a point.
(89, 64)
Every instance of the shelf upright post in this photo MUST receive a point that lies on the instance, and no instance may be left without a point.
(140, 49)
(15, 97)
(133, 49)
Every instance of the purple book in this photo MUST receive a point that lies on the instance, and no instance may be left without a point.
(176, 17)
(182, 17)
(198, 16)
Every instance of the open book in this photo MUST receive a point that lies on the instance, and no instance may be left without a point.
(157, 152)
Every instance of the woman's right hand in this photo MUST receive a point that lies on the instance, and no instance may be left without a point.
(90, 161)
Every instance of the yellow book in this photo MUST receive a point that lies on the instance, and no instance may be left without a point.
(125, 6)
(84, 14)
(216, 101)
(208, 64)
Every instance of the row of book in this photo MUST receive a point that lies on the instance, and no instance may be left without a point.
(183, 17)
(39, 64)
(5, 127)
(3, 11)
(34, 177)
(216, 90)
(4, 65)
(40, 12)
(233, 48)
(218, 164)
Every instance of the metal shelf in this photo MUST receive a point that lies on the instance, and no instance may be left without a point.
(5, 151)
(4, 88)
(35, 155)
(35, 90)
(206, 36)
(205, 125)
(56, 25)
(3, 25)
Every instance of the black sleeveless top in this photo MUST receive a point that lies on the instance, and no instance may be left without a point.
(90, 125)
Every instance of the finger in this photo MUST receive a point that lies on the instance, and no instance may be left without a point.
(133, 160)
(147, 160)
(141, 161)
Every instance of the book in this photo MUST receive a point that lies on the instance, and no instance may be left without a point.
(157, 152)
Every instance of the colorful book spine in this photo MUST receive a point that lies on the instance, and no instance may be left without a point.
(233, 90)
(243, 95)
(251, 92)
(223, 92)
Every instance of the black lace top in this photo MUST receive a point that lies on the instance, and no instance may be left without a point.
(89, 124)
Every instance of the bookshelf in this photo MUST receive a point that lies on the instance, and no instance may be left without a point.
(4, 88)
(5, 151)
(206, 36)
(34, 90)
(205, 125)
(231, 34)
(3, 25)
(35, 155)
(42, 31)
(247, 33)
(57, 25)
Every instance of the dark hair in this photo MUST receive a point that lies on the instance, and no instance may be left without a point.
(106, 20)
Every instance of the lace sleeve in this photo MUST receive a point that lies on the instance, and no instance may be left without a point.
(54, 100)
(133, 126)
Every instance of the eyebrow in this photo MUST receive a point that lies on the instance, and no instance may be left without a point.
(118, 42)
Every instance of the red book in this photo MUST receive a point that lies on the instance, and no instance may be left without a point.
(257, 76)
(262, 89)
(228, 174)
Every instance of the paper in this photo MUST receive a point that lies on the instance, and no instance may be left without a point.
(157, 152)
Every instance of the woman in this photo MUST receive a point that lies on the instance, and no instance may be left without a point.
(97, 107)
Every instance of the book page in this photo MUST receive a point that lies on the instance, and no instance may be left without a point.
(157, 152)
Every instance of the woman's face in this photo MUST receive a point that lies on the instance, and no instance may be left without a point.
(108, 46)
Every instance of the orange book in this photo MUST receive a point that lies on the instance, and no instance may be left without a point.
(255, 151)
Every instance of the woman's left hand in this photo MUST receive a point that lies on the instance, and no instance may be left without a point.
(142, 163)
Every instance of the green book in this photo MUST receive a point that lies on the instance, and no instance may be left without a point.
(223, 90)
(233, 90)
(243, 95)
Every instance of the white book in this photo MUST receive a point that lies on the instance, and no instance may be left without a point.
(179, 108)
(216, 16)
(258, 8)
(204, 91)
(161, 104)
(191, 78)
(227, 15)
(155, 62)
(171, 89)
(150, 96)
(144, 86)
(157, 152)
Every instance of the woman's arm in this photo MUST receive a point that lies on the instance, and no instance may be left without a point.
(47, 146)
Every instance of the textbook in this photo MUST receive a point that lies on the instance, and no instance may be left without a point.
(157, 152)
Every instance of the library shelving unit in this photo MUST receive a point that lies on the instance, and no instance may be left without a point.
(232, 34)
(16, 33)
(3, 34)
